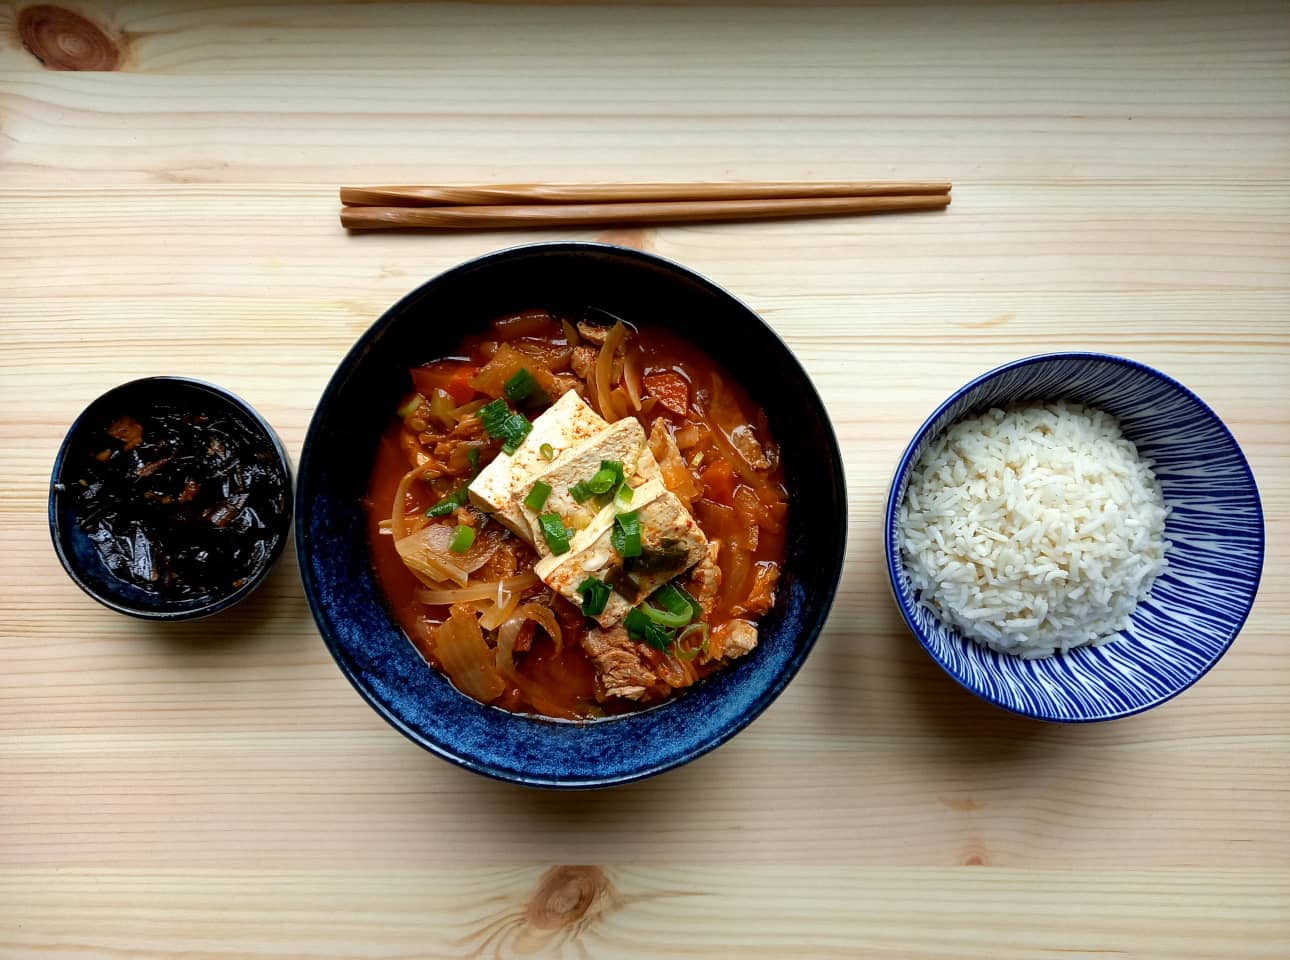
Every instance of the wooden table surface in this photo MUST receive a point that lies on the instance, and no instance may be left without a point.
(167, 205)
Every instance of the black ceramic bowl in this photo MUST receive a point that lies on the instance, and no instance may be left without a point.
(331, 536)
(79, 555)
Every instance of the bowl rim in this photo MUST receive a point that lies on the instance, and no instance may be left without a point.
(805, 641)
(283, 522)
(891, 548)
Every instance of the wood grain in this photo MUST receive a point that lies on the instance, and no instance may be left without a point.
(1122, 183)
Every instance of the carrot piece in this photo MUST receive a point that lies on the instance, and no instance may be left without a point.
(671, 389)
(452, 378)
(719, 482)
(459, 387)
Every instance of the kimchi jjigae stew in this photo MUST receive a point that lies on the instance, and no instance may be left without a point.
(573, 517)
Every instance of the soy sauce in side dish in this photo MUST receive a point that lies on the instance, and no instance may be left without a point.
(180, 503)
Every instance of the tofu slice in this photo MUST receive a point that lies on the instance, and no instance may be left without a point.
(671, 540)
(623, 441)
(502, 486)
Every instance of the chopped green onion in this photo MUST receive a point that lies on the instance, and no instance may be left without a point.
(595, 594)
(688, 653)
(623, 496)
(672, 599)
(537, 496)
(666, 618)
(581, 492)
(547, 451)
(602, 482)
(640, 627)
(462, 539)
(504, 425)
(473, 456)
(636, 622)
(523, 388)
(519, 428)
(607, 477)
(449, 503)
(626, 535)
(554, 532)
(411, 406)
(495, 416)
(677, 600)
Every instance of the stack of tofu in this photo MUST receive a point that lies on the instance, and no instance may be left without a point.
(576, 440)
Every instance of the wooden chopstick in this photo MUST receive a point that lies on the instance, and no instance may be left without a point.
(602, 214)
(527, 193)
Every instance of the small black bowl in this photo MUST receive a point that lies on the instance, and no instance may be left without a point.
(331, 526)
(76, 551)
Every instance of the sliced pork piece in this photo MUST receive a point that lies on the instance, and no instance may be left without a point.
(749, 447)
(584, 361)
(620, 671)
(733, 639)
(594, 332)
(705, 579)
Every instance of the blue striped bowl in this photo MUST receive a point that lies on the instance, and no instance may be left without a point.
(1195, 608)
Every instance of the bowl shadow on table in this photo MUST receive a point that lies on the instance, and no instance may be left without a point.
(888, 686)
(918, 702)
(244, 628)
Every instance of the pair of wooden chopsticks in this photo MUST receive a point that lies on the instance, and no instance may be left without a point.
(497, 206)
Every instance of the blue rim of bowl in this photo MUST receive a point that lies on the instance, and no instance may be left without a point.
(215, 606)
(902, 468)
(806, 641)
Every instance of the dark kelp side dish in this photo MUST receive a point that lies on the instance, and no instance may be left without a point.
(181, 504)
(573, 517)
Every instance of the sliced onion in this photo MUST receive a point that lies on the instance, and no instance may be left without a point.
(397, 526)
(632, 379)
(676, 673)
(749, 511)
(532, 692)
(412, 449)
(735, 577)
(545, 619)
(427, 552)
(443, 407)
(479, 591)
(466, 658)
(499, 609)
(571, 333)
(688, 653)
(604, 367)
(506, 637)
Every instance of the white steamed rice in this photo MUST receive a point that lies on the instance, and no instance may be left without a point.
(1033, 530)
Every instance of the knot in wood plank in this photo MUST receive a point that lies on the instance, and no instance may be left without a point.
(567, 894)
(62, 39)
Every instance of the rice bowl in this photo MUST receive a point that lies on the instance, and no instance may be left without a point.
(1034, 530)
(1195, 607)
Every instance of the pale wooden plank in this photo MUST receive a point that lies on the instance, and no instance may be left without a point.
(1074, 90)
(231, 240)
(634, 911)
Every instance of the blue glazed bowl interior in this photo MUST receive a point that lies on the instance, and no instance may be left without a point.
(79, 556)
(1195, 608)
(346, 599)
